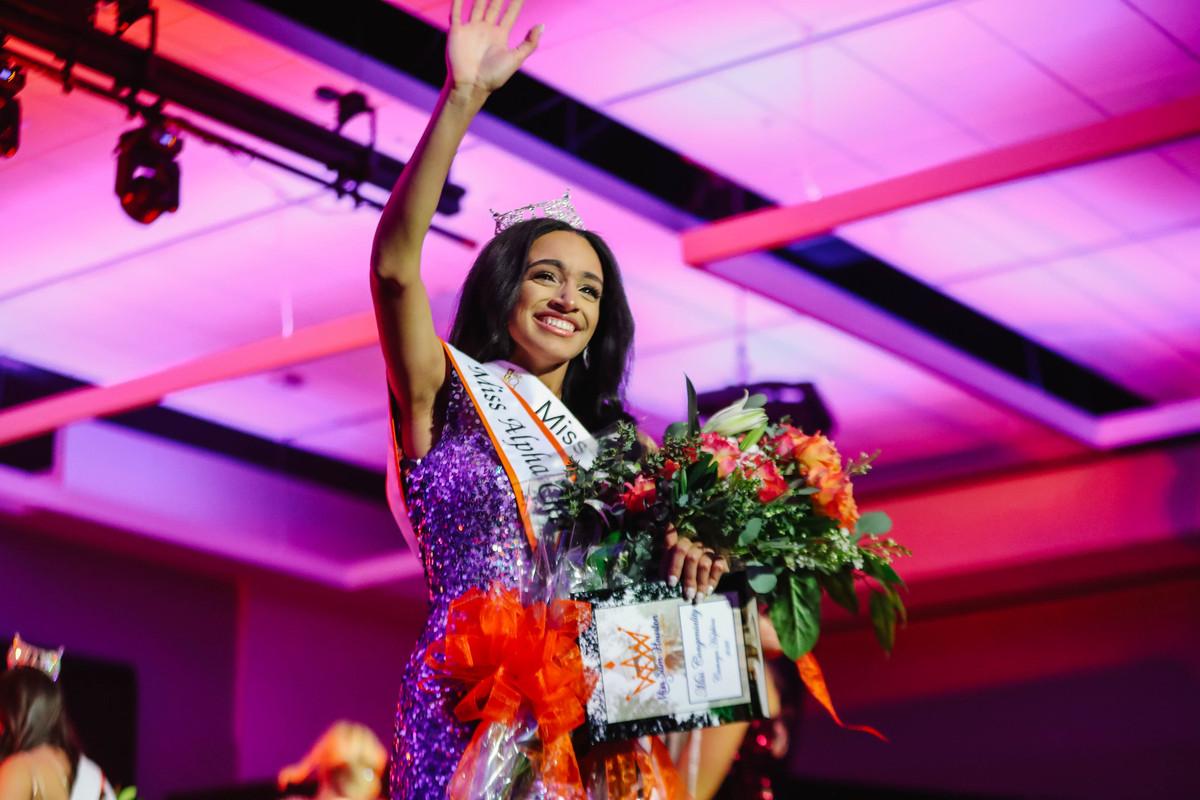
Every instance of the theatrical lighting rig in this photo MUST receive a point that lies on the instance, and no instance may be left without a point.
(12, 81)
(147, 181)
(147, 175)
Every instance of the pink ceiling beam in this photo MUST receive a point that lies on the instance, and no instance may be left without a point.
(774, 227)
(308, 344)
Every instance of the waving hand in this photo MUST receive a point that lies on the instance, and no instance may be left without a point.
(477, 54)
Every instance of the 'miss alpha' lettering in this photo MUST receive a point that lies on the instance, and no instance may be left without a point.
(557, 424)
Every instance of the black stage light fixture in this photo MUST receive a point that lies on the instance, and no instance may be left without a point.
(12, 81)
(147, 175)
(129, 12)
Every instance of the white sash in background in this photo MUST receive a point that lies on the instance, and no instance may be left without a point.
(534, 434)
(90, 783)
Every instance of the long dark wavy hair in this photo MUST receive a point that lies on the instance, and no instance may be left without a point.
(594, 391)
(32, 713)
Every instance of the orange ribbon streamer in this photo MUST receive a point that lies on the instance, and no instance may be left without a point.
(513, 658)
(814, 680)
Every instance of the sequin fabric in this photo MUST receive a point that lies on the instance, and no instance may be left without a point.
(464, 514)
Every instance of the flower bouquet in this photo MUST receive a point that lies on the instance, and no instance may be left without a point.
(774, 500)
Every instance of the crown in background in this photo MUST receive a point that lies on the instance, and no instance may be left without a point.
(560, 208)
(24, 654)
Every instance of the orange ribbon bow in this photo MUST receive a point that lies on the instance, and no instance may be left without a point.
(513, 657)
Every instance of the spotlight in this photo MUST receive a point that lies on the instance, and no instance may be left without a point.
(12, 80)
(147, 175)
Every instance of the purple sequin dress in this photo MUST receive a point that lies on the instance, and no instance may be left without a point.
(464, 514)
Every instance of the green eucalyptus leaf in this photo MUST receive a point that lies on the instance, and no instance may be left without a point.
(840, 588)
(795, 609)
(873, 523)
(898, 605)
(676, 430)
(883, 619)
(882, 572)
(763, 582)
(749, 534)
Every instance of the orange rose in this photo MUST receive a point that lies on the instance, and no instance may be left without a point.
(835, 495)
(845, 510)
(807, 451)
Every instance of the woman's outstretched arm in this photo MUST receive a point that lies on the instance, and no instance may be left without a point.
(479, 61)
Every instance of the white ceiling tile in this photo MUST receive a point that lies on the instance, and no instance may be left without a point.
(564, 19)
(953, 64)
(1100, 47)
(772, 153)
(707, 33)
(1181, 19)
(1140, 193)
(1047, 308)
(365, 443)
(308, 402)
(826, 15)
(598, 66)
(835, 95)
(1141, 285)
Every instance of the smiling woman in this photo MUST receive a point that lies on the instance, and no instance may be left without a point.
(534, 365)
(549, 297)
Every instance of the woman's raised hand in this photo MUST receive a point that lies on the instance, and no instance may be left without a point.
(477, 52)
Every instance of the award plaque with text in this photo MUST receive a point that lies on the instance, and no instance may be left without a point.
(665, 664)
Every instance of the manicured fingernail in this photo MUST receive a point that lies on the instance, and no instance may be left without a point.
(712, 587)
(689, 593)
(672, 581)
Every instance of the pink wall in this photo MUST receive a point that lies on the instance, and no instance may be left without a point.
(176, 629)
(1090, 695)
(1052, 648)
(306, 658)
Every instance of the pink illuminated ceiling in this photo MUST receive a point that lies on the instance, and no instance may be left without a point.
(795, 100)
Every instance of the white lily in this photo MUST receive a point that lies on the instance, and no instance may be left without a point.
(736, 418)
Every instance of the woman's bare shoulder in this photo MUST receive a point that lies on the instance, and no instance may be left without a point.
(16, 782)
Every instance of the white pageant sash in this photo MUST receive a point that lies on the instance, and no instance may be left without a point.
(90, 783)
(534, 433)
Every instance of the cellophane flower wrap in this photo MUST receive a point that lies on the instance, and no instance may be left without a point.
(515, 653)
(772, 498)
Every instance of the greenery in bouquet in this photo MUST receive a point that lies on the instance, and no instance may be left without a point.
(769, 497)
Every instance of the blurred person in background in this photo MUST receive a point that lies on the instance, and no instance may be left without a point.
(347, 762)
(38, 750)
(40, 757)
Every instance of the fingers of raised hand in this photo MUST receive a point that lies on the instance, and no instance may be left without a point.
(477, 9)
(530, 43)
(492, 12)
(510, 14)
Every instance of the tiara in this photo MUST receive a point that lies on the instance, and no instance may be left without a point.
(560, 208)
(24, 654)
